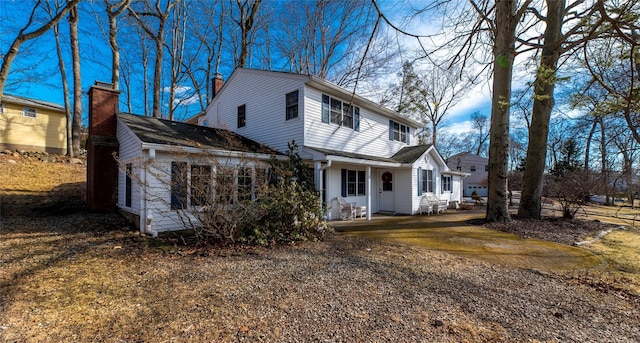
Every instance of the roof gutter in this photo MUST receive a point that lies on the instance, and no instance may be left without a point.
(202, 151)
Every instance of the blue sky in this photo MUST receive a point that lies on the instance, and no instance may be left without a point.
(40, 58)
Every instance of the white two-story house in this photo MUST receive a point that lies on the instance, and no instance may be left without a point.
(359, 150)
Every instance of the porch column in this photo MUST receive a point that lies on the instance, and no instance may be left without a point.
(368, 192)
(318, 178)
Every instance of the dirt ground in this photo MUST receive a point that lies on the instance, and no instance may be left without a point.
(68, 275)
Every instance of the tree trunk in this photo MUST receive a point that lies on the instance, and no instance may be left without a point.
(65, 91)
(113, 11)
(504, 51)
(543, 101)
(77, 83)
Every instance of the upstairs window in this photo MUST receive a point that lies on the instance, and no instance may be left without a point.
(399, 132)
(292, 105)
(242, 116)
(473, 168)
(341, 113)
(30, 112)
(336, 111)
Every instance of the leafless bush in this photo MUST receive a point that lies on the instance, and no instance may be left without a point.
(571, 189)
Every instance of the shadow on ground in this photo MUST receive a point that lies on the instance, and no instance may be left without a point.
(452, 233)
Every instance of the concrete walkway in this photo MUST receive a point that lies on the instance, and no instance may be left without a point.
(450, 232)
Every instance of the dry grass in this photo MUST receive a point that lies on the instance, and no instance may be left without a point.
(85, 277)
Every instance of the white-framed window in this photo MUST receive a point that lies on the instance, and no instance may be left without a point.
(335, 111)
(200, 190)
(399, 132)
(425, 181)
(353, 182)
(242, 116)
(29, 112)
(292, 105)
(446, 183)
(127, 185)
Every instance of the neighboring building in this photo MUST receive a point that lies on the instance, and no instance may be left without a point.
(478, 169)
(32, 125)
(358, 149)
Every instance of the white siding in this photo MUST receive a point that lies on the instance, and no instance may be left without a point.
(129, 152)
(372, 139)
(263, 93)
(333, 189)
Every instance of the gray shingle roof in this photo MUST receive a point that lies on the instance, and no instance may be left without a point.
(14, 99)
(407, 154)
(166, 132)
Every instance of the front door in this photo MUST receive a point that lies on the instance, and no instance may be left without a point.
(386, 187)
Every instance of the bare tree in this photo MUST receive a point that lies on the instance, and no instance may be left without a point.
(65, 89)
(480, 125)
(77, 79)
(555, 44)
(113, 11)
(158, 36)
(245, 19)
(24, 35)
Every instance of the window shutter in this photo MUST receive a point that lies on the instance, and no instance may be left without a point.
(343, 181)
(325, 108)
(356, 119)
(390, 130)
(419, 181)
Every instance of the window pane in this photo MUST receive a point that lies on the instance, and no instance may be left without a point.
(244, 184)
(127, 197)
(30, 112)
(361, 183)
(325, 108)
(242, 116)
(292, 105)
(336, 111)
(396, 131)
(351, 182)
(178, 185)
(200, 185)
(225, 185)
(348, 116)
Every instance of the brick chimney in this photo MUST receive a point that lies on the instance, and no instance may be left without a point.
(217, 84)
(102, 168)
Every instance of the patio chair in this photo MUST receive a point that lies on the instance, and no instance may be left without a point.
(439, 205)
(349, 210)
(426, 206)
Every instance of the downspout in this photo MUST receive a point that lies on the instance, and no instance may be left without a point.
(368, 192)
(319, 171)
(146, 218)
